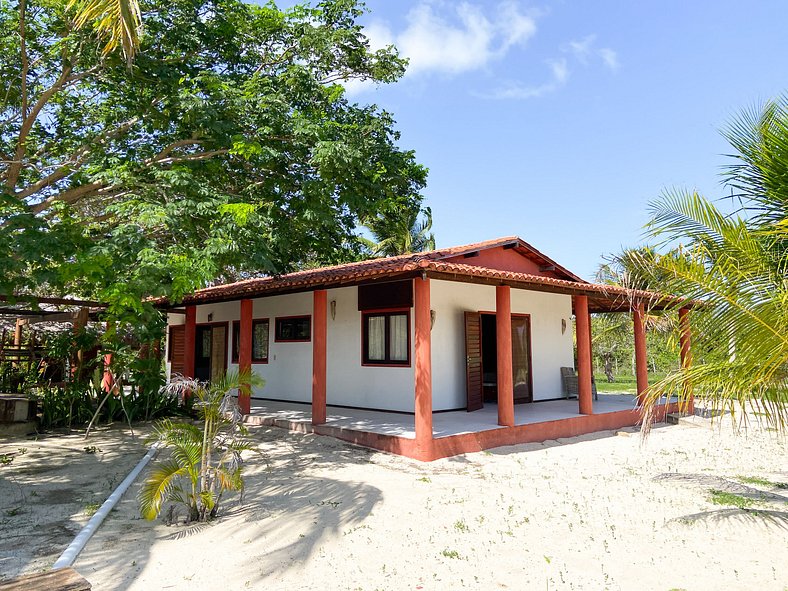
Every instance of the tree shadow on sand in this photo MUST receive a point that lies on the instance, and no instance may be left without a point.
(722, 484)
(287, 511)
(737, 518)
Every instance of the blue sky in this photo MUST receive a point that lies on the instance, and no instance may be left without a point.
(560, 121)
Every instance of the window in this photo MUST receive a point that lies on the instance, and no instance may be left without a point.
(386, 338)
(260, 329)
(294, 328)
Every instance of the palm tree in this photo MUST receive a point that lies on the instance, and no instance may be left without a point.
(632, 268)
(401, 230)
(117, 23)
(735, 265)
(205, 460)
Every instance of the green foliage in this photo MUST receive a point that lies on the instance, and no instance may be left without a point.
(205, 460)
(401, 228)
(736, 267)
(228, 148)
(612, 334)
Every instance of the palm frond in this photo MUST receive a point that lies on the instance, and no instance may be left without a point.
(117, 22)
(159, 484)
(735, 267)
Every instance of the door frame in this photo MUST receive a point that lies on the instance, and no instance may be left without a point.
(224, 323)
(481, 353)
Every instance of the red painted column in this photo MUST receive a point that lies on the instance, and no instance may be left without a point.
(641, 356)
(423, 366)
(245, 355)
(189, 337)
(107, 380)
(503, 332)
(685, 339)
(319, 334)
(583, 338)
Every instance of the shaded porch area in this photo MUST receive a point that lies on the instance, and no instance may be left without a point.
(298, 416)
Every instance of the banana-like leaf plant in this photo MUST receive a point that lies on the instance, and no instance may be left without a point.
(205, 459)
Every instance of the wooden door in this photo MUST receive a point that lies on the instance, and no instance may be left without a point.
(177, 348)
(521, 358)
(218, 351)
(473, 360)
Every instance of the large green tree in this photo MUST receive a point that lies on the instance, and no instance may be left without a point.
(735, 264)
(228, 148)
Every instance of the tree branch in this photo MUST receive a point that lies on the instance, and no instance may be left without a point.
(187, 158)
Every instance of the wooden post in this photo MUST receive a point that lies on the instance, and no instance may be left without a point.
(685, 338)
(423, 366)
(319, 334)
(189, 338)
(641, 355)
(583, 337)
(503, 330)
(245, 355)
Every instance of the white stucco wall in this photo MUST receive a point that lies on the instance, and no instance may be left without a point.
(288, 373)
(550, 349)
(348, 382)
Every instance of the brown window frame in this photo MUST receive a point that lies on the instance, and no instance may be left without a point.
(387, 362)
(280, 319)
(237, 336)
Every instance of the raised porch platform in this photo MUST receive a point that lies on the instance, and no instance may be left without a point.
(454, 432)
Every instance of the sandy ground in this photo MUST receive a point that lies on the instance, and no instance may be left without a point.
(593, 512)
(51, 486)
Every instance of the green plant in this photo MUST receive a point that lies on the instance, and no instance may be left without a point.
(91, 508)
(721, 497)
(205, 460)
(736, 264)
(450, 553)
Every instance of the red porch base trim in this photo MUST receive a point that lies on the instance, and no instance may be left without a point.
(452, 445)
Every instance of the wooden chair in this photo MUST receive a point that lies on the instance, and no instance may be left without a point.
(569, 381)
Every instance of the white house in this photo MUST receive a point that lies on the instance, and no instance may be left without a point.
(457, 329)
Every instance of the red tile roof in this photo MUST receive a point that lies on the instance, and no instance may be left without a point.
(601, 297)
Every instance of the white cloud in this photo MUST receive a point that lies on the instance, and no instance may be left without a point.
(610, 58)
(585, 50)
(559, 74)
(449, 38)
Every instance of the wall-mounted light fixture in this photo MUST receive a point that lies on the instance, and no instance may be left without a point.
(333, 307)
(433, 316)
(563, 325)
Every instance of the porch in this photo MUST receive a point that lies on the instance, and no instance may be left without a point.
(455, 432)
(297, 416)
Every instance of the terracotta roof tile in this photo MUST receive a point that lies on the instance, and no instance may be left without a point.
(409, 265)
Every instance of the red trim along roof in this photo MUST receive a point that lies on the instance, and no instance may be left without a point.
(431, 263)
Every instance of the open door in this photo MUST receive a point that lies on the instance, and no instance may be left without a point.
(521, 358)
(176, 348)
(218, 351)
(473, 360)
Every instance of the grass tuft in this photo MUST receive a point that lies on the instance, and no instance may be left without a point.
(720, 497)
